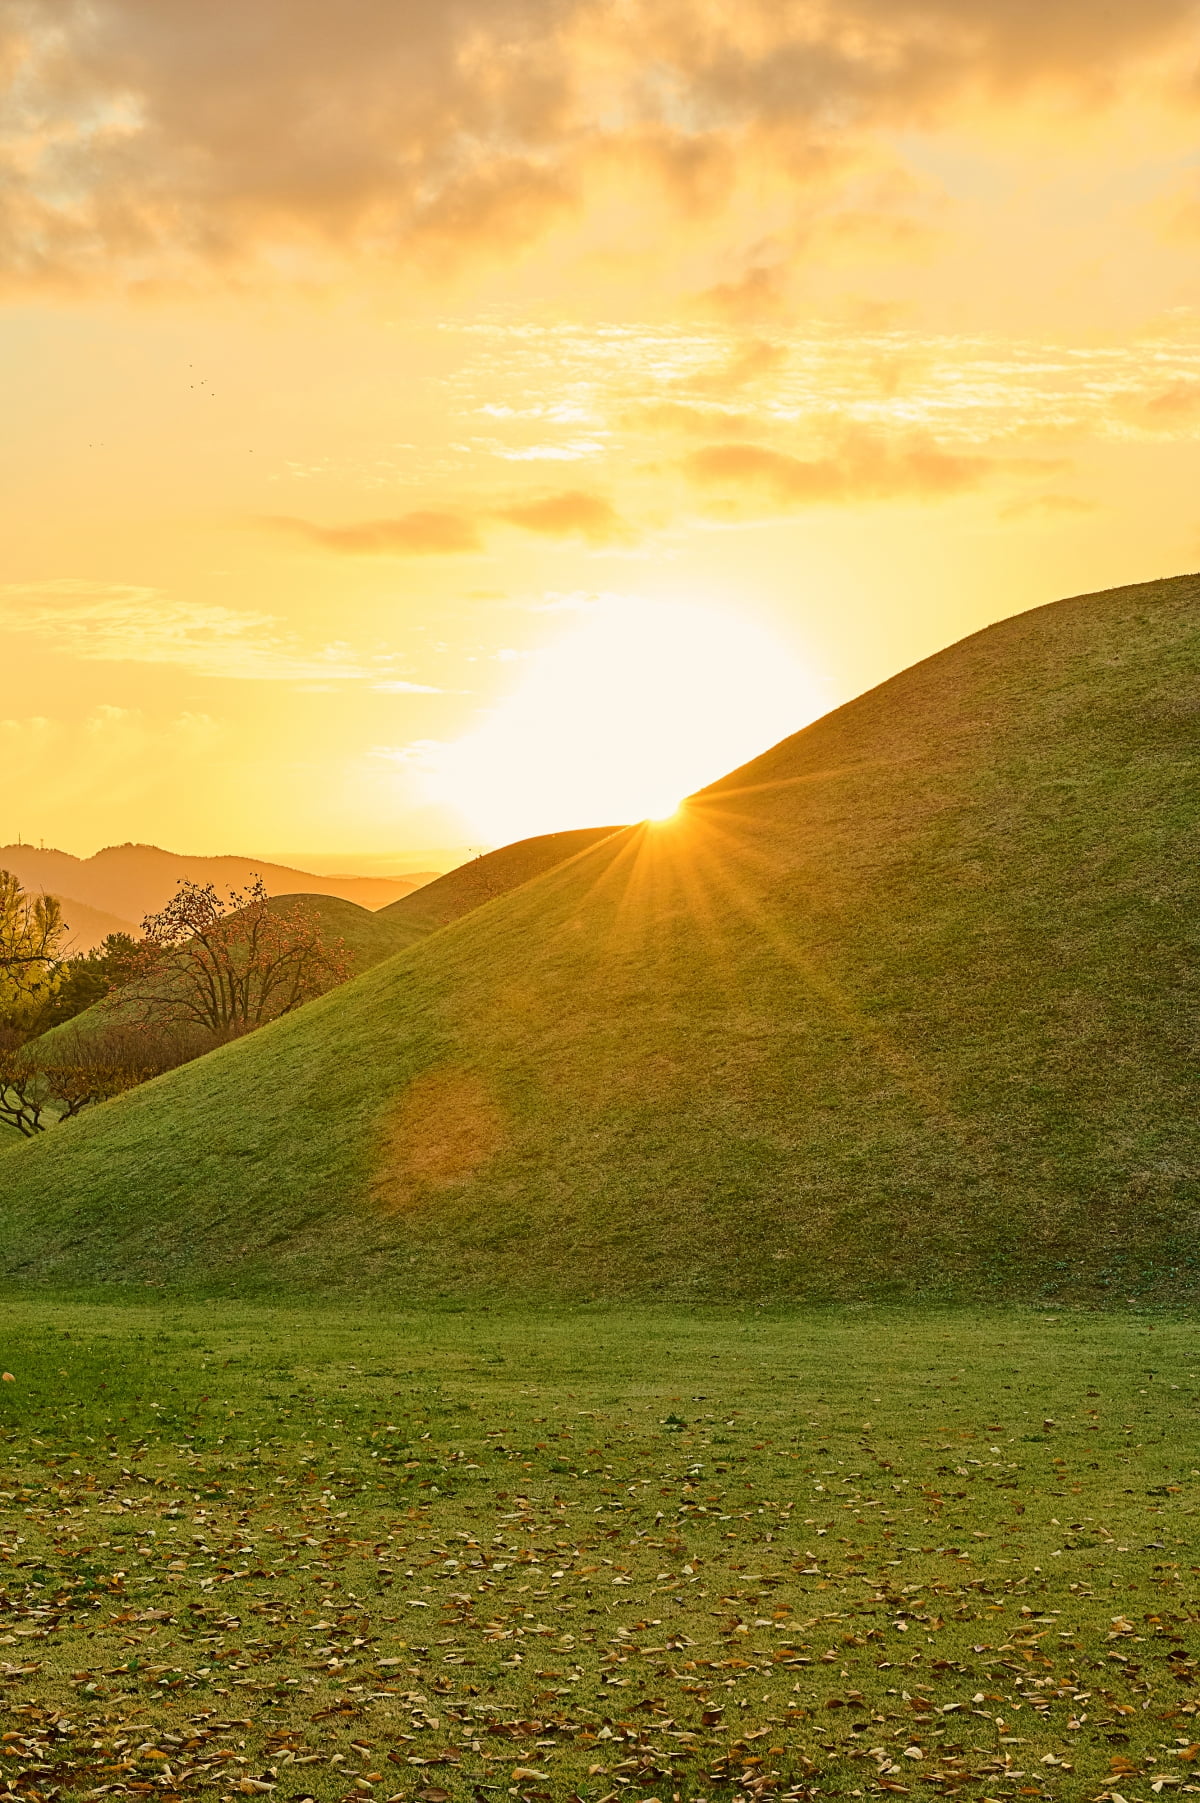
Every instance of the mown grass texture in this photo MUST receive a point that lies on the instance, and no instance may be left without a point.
(656, 1554)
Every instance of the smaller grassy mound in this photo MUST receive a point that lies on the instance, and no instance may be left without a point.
(368, 937)
(485, 879)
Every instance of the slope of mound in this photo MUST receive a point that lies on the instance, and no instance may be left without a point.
(486, 878)
(909, 1005)
(369, 936)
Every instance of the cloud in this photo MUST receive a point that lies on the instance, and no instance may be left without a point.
(572, 514)
(424, 533)
(759, 294)
(863, 467)
(573, 450)
(120, 623)
(698, 422)
(745, 366)
(1047, 506)
(149, 140)
(1176, 405)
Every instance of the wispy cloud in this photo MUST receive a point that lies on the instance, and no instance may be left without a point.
(1046, 506)
(121, 623)
(567, 514)
(572, 514)
(1166, 410)
(862, 467)
(746, 365)
(571, 450)
(684, 416)
(964, 392)
(424, 533)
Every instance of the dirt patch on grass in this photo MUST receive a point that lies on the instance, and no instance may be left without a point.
(440, 1133)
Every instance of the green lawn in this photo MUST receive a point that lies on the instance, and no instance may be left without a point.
(670, 1554)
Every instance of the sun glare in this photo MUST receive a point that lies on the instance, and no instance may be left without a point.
(631, 710)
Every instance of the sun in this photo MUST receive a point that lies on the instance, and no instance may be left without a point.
(635, 706)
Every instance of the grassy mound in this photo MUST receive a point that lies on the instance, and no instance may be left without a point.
(486, 878)
(907, 1006)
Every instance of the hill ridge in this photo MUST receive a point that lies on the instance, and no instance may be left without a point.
(133, 880)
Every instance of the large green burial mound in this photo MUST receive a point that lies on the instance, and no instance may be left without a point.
(907, 1006)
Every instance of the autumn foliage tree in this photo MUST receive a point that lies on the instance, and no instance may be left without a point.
(34, 1092)
(32, 931)
(228, 966)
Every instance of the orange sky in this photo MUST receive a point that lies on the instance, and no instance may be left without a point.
(427, 425)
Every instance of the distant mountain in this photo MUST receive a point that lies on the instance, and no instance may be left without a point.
(131, 881)
(89, 927)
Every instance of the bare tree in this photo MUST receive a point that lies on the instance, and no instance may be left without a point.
(227, 967)
(149, 1046)
(34, 1096)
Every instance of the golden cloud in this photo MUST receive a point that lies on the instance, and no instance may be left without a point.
(573, 513)
(863, 467)
(1046, 506)
(105, 622)
(698, 422)
(155, 137)
(423, 533)
(1166, 408)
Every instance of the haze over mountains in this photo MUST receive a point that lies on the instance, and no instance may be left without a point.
(114, 890)
(88, 927)
(908, 1006)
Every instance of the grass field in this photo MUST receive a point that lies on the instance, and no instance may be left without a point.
(848, 1553)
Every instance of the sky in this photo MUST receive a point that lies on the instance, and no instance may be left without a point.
(425, 426)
